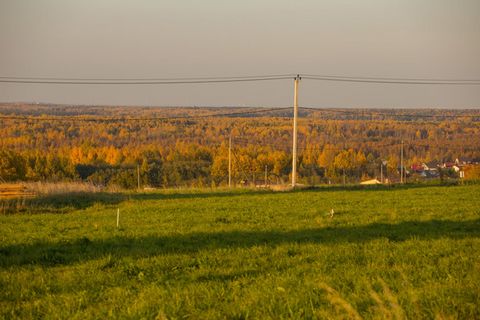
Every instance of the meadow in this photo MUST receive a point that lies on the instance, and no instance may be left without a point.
(387, 253)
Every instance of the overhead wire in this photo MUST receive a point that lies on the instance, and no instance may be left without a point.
(393, 80)
(121, 119)
(220, 79)
(387, 78)
(383, 113)
(151, 79)
(142, 81)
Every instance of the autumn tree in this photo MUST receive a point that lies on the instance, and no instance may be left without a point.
(12, 166)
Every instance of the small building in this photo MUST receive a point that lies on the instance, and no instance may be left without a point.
(417, 167)
(448, 165)
(432, 165)
(369, 182)
(457, 168)
(463, 161)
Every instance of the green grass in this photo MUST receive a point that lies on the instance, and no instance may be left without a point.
(387, 253)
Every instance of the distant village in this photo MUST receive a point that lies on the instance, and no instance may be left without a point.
(434, 169)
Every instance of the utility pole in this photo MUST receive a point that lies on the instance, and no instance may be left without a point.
(266, 175)
(295, 116)
(138, 176)
(230, 161)
(383, 164)
(401, 164)
(381, 172)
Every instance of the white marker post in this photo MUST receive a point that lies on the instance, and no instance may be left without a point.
(118, 218)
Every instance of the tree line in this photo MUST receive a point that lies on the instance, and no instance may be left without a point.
(190, 151)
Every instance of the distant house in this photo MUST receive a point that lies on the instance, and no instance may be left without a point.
(457, 168)
(372, 181)
(431, 166)
(448, 165)
(430, 169)
(463, 161)
(417, 167)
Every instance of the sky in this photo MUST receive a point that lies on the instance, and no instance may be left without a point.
(209, 38)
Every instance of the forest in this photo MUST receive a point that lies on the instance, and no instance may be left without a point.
(189, 146)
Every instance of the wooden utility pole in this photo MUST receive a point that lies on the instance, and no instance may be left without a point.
(266, 175)
(138, 176)
(382, 164)
(401, 164)
(230, 161)
(295, 116)
(381, 172)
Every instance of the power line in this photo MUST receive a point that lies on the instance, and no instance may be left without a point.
(234, 114)
(63, 118)
(151, 79)
(389, 79)
(394, 81)
(364, 112)
(199, 80)
(170, 81)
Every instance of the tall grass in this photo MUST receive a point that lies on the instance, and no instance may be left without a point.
(52, 188)
(58, 197)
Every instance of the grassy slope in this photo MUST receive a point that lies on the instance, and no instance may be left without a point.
(397, 253)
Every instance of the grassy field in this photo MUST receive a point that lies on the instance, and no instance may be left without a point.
(411, 252)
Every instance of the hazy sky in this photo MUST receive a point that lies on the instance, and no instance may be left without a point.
(183, 38)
